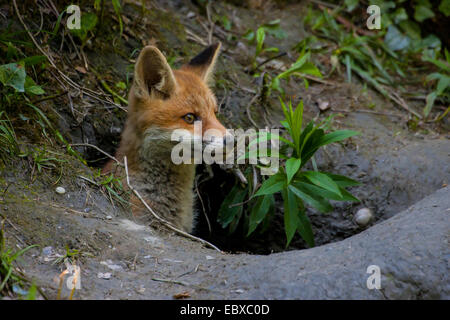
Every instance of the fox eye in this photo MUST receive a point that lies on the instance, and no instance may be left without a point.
(189, 118)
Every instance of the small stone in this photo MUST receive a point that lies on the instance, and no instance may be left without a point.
(60, 190)
(323, 105)
(108, 218)
(105, 276)
(209, 258)
(363, 217)
(47, 251)
(190, 15)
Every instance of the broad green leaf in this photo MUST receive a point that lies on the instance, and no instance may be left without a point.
(444, 7)
(272, 185)
(13, 75)
(314, 190)
(292, 166)
(395, 40)
(431, 97)
(314, 200)
(422, 13)
(443, 84)
(336, 136)
(227, 212)
(323, 181)
(342, 181)
(32, 87)
(259, 212)
(305, 229)
(291, 218)
(309, 68)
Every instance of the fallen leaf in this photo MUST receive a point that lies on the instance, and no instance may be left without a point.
(182, 295)
(81, 69)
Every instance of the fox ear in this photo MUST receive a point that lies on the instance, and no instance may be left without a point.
(153, 76)
(203, 63)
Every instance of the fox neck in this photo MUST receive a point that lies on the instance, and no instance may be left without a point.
(166, 186)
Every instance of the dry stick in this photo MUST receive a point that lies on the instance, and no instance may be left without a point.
(370, 112)
(98, 149)
(249, 116)
(203, 207)
(164, 222)
(401, 102)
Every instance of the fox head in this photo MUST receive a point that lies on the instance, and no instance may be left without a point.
(163, 100)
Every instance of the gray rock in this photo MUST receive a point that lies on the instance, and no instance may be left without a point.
(411, 250)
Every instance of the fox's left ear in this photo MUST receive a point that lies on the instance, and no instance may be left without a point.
(203, 63)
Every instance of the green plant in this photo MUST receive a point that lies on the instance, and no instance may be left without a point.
(13, 75)
(8, 140)
(71, 255)
(259, 36)
(9, 276)
(297, 187)
(299, 68)
(443, 81)
(112, 185)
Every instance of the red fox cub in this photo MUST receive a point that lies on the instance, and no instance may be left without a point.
(162, 100)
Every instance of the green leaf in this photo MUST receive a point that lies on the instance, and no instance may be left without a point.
(443, 84)
(272, 185)
(431, 97)
(13, 75)
(33, 60)
(336, 136)
(291, 218)
(88, 23)
(227, 212)
(292, 166)
(305, 229)
(259, 211)
(311, 198)
(32, 87)
(351, 4)
(309, 68)
(395, 40)
(422, 13)
(316, 191)
(260, 36)
(342, 181)
(444, 7)
(323, 181)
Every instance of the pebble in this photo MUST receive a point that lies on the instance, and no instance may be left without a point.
(60, 190)
(105, 276)
(363, 217)
(47, 251)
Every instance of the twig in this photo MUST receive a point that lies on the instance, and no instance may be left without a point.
(282, 54)
(49, 97)
(248, 110)
(98, 149)
(394, 96)
(371, 112)
(161, 220)
(203, 206)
